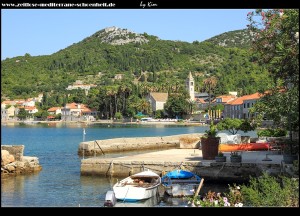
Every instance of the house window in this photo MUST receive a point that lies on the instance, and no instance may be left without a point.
(248, 105)
(192, 83)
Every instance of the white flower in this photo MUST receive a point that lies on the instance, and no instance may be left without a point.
(198, 202)
(216, 202)
(297, 37)
(240, 204)
(238, 187)
(236, 205)
(227, 204)
(281, 14)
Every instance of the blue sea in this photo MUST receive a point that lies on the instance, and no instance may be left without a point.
(59, 183)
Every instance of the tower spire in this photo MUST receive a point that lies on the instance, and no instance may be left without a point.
(190, 84)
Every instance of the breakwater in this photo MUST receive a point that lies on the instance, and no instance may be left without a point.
(100, 147)
(252, 164)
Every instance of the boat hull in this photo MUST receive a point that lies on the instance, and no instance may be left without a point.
(132, 194)
(152, 201)
(244, 147)
(181, 190)
(180, 183)
(140, 186)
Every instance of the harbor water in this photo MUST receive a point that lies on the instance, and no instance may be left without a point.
(59, 183)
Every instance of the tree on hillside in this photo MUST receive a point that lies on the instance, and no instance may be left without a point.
(276, 44)
(22, 114)
(234, 125)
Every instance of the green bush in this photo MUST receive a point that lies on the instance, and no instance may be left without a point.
(272, 132)
(270, 191)
(118, 115)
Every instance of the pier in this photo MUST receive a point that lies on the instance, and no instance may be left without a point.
(100, 147)
(253, 164)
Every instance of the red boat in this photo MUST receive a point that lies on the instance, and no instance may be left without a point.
(244, 147)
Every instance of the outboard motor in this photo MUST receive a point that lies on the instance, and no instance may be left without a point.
(110, 199)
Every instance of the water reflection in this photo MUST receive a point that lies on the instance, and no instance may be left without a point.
(13, 187)
(153, 201)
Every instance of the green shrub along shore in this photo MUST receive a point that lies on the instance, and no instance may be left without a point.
(265, 191)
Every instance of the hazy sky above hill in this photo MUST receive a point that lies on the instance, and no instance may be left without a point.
(46, 31)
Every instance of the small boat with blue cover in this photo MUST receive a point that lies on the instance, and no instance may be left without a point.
(179, 183)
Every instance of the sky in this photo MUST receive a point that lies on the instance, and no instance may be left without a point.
(46, 31)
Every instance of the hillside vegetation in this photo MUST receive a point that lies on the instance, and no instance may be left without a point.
(238, 38)
(141, 58)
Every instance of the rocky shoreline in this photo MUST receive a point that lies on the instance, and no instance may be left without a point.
(14, 163)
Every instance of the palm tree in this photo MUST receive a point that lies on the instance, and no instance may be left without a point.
(122, 93)
(210, 85)
(144, 106)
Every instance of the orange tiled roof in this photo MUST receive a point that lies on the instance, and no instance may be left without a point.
(52, 109)
(237, 101)
(253, 96)
(29, 107)
(201, 100)
(225, 98)
(7, 102)
(85, 110)
(240, 100)
(74, 106)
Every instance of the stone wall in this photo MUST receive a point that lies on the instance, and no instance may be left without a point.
(16, 150)
(210, 171)
(100, 147)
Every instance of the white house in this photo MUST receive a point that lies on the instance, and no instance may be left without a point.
(54, 110)
(29, 102)
(157, 100)
(77, 112)
(31, 109)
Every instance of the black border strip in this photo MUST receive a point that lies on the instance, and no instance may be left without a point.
(151, 4)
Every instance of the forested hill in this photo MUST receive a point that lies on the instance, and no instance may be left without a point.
(238, 38)
(139, 57)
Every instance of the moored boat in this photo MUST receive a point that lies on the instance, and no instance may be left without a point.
(137, 187)
(244, 147)
(179, 183)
